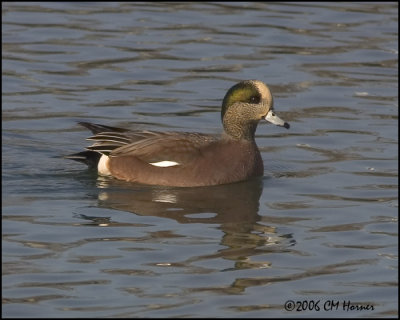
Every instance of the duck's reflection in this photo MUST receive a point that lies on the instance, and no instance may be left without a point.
(233, 207)
(233, 204)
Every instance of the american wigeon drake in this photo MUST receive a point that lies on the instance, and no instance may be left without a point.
(188, 159)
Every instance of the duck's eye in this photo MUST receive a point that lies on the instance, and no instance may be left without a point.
(254, 99)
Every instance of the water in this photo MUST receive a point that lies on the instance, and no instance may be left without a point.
(320, 227)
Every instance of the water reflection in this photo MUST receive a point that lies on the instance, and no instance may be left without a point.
(232, 203)
(233, 208)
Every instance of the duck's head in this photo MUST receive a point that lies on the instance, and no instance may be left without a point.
(244, 105)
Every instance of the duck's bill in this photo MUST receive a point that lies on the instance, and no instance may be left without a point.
(273, 118)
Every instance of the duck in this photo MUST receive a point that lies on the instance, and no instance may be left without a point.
(187, 159)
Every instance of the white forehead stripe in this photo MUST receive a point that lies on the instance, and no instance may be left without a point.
(264, 90)
(164, 164)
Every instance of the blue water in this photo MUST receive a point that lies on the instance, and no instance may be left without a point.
(321, 226)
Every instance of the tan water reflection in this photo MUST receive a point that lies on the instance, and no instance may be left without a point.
(234, 207)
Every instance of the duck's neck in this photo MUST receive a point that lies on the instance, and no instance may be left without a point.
(241, 131)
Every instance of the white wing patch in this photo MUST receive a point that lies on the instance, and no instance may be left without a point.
(164, 164)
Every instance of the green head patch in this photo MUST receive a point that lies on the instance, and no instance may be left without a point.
(243, 92)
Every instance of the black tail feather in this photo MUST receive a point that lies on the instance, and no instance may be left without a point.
(98, 128)
(91, 158)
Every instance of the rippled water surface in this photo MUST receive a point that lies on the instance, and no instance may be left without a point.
(319, 228)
